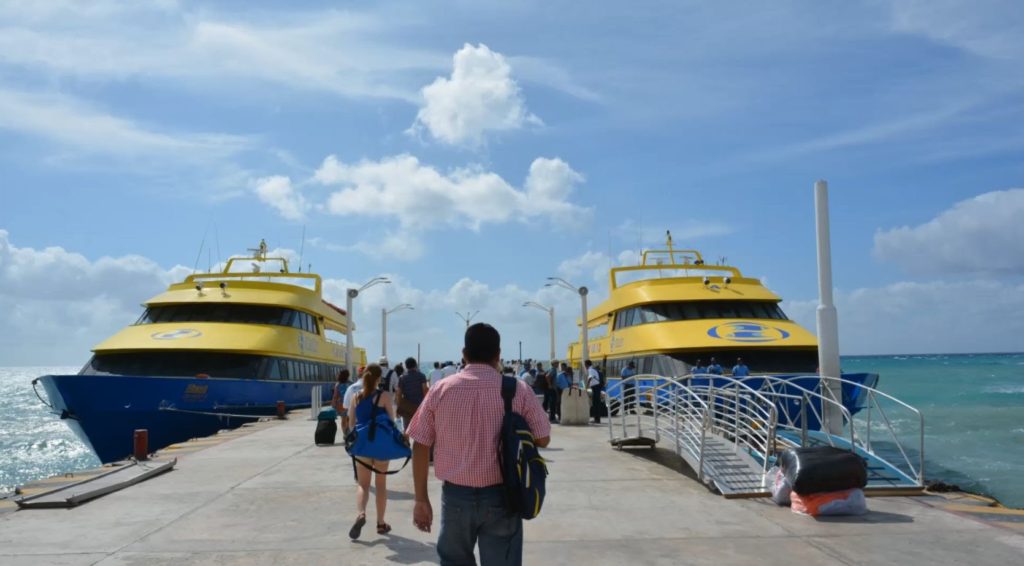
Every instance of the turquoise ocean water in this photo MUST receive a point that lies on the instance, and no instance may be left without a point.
(973, 407)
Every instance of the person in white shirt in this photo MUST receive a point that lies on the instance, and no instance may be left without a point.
(346, 402)
(449, 369)
(435, 374)
(388, 381)
(594, 382)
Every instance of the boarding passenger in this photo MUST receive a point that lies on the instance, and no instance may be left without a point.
(346, 402)
(714, 368)
(435, 374)
(549, 380)
(389, 378)
(448, 369)
(461, 418)
(740, 369)
(412, 388)
(629, 386)
(698, 369)
(363, 403)
(339, 395)
(594, 383)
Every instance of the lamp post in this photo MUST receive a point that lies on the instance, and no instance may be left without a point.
(350, 296)
(582, 291)
(467, 318)
(384, 325)
(551, 317)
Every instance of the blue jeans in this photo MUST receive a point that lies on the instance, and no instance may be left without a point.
(470, 515)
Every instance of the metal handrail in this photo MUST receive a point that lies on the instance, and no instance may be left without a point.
(916, 473)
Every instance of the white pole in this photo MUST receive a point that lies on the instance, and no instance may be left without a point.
(551, 315)
(586, 344)
(349, 296)
(384, 332)
(828, 320)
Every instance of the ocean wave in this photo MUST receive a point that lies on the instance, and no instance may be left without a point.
(1004, 389)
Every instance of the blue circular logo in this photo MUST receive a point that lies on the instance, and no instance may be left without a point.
(747, 332)
(176, 334)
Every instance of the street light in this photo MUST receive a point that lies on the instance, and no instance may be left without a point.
(467, 318)
(582, 291)
(384, 325)
(551, 317)
(350, 295)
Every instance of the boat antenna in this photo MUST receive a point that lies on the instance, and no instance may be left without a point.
(671, 255)
(302, 246)
(199, 254)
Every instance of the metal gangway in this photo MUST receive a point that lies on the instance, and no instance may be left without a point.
(730, 430)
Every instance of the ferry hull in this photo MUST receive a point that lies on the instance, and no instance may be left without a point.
(105, 410)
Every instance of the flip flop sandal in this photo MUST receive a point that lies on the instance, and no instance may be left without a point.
(357, 528)
(383, 528)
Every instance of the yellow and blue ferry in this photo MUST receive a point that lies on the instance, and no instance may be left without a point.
(211, 352)
(673, 313)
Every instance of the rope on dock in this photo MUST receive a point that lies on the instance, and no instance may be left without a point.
(216, 414)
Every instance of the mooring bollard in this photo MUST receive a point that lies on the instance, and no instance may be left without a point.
(280, 410)
(141, 450)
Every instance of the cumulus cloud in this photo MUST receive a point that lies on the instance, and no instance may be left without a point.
(278, 192)
(479, 97)
(983, 234)
(56, 304)
(404, 188)
(930, 317)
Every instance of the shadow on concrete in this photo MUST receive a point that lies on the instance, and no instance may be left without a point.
(665, 458)
(394, 495)
(880, 517)
(405, 550)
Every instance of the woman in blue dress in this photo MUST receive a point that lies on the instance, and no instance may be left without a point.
(361, 410)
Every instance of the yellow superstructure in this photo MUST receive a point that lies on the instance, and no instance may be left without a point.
(673, 311)
(266, 318)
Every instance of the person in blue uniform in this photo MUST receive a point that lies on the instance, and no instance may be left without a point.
(740, 369)
(714, 368)
(698, 368)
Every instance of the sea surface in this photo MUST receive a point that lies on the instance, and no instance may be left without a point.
(973, 406)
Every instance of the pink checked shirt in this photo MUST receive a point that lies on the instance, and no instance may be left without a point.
(461, 418)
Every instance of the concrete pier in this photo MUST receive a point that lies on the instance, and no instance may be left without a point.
(270, 496)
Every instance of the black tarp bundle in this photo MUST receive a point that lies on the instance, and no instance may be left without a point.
(823, 469)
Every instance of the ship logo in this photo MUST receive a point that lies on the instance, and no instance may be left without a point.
(747, 332)
(176, 334)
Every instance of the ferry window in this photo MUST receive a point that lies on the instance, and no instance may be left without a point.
(689, 311)
(631, 318)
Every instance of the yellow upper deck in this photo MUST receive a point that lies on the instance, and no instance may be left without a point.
(267, 283)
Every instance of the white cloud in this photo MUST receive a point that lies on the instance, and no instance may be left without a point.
(277, 191)
(324, 51)
(73, 123)
(420, 196)
(990, 29)
(983, 234)
(479, 97)
(931, 317)
(55, 304)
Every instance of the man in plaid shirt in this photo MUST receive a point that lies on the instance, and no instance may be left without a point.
(461, 419)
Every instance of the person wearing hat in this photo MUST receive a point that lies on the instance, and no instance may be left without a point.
(389, 382)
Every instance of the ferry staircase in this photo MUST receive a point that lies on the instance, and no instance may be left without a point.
(731, 430)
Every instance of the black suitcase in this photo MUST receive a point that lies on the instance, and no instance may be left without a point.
(326, 431)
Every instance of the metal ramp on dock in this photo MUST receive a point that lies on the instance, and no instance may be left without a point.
(729, 431)
(79, 492)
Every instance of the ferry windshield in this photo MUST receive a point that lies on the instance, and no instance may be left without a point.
(697, 310)
(211, 364)
(221, 312)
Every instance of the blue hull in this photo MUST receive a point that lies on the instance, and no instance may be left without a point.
(105, 410)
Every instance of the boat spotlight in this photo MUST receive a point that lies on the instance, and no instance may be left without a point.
(727, 280)
(199, 288)
(707, 281)
(223, 285)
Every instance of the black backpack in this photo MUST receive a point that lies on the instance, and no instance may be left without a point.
(522, 467)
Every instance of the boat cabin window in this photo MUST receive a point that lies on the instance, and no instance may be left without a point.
(212, 364)
(232, 313)
(697, 310)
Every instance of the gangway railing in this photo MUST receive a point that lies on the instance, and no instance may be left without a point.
(878, 415)
(724, 431)
(752, 418)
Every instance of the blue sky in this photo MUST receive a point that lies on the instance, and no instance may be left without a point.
(471, 149)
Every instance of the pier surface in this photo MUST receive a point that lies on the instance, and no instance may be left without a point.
(270, 496)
